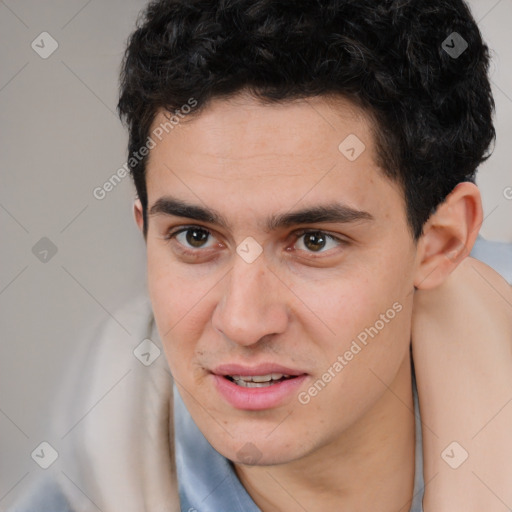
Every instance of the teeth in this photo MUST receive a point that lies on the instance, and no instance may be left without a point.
(259, 378)
(249, 384)
(258, 381)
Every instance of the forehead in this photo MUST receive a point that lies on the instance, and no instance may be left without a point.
(266, 156)
(312, 126)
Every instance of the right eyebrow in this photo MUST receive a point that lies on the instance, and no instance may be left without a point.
(179, 208)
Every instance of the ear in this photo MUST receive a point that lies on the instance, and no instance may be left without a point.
(138, 215)
(448, 236)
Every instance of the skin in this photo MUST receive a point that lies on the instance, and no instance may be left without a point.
(293, 305)
(462, 342)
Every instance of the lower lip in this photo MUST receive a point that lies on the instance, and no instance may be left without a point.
(257, 399)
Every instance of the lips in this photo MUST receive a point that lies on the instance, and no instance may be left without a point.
(257, 387)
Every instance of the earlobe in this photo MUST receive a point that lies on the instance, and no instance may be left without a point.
(138, 214)
(448, 236)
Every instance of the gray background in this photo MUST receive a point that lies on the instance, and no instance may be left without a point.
(60, 138)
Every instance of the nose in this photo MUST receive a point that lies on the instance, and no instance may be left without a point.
(252, 305)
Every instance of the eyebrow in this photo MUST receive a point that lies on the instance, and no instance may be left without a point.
(332, 213)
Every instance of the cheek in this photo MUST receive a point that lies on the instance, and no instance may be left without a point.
(372, 336)
(373, 326)
(368, 312)
(347, 305)
(179, 302)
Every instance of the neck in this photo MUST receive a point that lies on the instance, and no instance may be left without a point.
(371, 463)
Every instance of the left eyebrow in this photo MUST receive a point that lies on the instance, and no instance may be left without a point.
(332, 213)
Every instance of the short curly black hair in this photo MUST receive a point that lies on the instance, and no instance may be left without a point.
(432, 108)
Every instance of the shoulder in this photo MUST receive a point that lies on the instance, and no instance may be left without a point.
(496, 255)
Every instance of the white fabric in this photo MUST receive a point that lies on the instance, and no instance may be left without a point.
(117, 455)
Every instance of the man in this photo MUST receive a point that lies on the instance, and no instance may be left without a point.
(304, 175)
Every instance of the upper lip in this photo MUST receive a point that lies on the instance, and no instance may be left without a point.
(260, 369)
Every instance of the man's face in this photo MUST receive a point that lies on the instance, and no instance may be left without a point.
(330, 307)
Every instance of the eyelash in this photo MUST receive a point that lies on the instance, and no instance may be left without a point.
(297, 234)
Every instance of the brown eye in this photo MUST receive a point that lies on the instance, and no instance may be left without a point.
(315, 241)
(196, 237)
(193, 237)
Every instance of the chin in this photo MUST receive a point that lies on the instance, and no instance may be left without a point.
(258, 450)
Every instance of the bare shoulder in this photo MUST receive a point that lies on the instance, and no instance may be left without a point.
(476, 277)
(474, 293)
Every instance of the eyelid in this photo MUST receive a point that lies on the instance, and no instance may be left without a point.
(170, 234)
(303, 231)
(336, 238)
